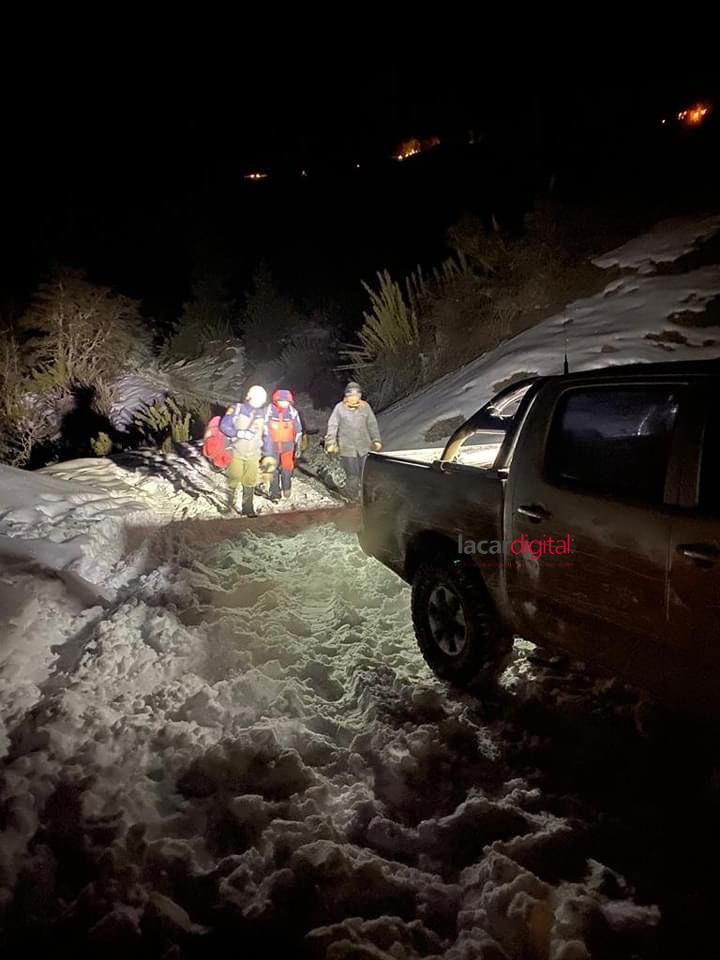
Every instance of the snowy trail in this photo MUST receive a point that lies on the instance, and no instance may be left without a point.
(252, 734)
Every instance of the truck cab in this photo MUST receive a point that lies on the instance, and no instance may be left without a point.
(621, 466)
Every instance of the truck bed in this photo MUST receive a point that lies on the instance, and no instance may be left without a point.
(481, 454)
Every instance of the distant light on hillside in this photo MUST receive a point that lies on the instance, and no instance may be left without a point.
(256, 176)
(694, 115)
(409, 148)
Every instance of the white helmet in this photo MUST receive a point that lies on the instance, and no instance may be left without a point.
(256, 396)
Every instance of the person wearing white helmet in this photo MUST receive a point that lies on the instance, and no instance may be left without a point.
(244, 426)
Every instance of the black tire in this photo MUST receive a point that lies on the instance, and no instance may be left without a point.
(451, 609)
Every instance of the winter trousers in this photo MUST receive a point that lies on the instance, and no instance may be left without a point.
(243, 471)
(353, 467)
(281, 480)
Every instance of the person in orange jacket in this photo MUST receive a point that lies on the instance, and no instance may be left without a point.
(283, 438)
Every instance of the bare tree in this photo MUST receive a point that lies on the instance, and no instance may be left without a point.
(78, 332)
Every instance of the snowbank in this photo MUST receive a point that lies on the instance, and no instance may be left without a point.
(637, 318)
(59, 546)
(666, 242)
(65, 533)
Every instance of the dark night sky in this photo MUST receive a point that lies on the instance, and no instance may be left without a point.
(147, 112)
(131, 160)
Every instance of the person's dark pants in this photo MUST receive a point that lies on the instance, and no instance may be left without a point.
(281, 480)
(353, 467)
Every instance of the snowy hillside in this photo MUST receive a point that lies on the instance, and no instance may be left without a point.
(643, 315)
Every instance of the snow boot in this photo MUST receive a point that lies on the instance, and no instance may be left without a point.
(351, 490)
(248, 510)
(231, 501)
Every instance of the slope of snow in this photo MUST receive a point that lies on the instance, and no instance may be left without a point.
(666, 242)
(616, 326)
(632, 320)
(59, 547)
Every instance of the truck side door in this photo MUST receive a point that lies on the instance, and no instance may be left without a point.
(694, 587)
(596, 471)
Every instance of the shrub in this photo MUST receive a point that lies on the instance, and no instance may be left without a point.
(32, 403)
(101, 445)
(304, 361)
(387, 358)
(77, 332)
(400, 338)
(269, 318)
(164, 424)
(205, 320)
(217, 375)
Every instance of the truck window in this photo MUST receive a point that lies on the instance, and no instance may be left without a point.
(503, 409)
(613, 441)
(477, 442)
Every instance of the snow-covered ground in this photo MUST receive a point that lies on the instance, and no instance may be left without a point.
(667, 242)
(218, 738)
(641, 316)
(238, 740)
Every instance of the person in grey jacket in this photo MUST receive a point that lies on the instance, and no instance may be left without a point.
(352, 431)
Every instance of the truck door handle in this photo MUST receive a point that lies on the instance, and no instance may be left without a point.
(702, 554)
(534, 512)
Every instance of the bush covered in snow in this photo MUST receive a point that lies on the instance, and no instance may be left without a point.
(80, 340)
(74, 334)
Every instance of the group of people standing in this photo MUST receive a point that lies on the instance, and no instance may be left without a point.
(261, 434)
(268, 438)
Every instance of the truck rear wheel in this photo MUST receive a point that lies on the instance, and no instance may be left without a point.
(456, 627)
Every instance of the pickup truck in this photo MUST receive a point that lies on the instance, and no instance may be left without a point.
(580, 512)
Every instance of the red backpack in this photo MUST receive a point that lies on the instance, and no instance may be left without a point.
(214, 445)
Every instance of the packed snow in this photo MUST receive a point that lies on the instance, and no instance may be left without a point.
(244, 746)
(219, 738)
(667, 242)
(637, 318)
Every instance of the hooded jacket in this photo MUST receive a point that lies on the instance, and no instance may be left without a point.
(354, 428)
(283, 430)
